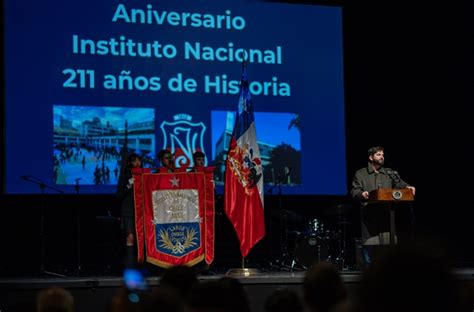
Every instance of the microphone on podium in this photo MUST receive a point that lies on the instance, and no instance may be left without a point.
(393, 175)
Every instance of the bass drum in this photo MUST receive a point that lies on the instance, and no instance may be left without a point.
(310, 250)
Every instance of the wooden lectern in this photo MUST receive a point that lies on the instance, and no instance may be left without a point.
(390, 197)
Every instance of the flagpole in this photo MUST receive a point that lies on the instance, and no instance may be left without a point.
(242, 272)
(245, 105)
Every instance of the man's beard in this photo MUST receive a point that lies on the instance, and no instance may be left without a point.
(378, 162)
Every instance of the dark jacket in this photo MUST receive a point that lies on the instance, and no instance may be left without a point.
(366, 179)
(374, 219)
(125, 193)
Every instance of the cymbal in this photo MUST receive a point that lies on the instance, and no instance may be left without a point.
(344, 222)
(296, 232)
(338, 209)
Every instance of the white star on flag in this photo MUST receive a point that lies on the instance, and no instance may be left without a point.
(174, 182)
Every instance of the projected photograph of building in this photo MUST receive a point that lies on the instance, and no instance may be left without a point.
(89, 142)
(278, 136)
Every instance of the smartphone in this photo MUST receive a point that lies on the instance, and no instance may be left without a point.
(134, 280)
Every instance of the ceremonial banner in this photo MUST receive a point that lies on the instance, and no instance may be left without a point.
(139, 215)
(177, 215)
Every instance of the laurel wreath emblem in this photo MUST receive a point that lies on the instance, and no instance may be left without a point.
(176, 246)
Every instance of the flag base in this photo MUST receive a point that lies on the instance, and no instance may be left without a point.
(242, 272)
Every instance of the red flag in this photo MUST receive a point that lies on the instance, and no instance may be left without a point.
(174, 217)
(244, 177)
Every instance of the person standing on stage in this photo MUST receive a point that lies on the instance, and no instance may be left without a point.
(199, 161)
(166, 161)
(375, 225)
(125, 195)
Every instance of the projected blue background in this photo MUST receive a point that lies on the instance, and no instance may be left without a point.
(180, 59)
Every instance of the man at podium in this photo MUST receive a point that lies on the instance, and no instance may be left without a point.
(375, 225)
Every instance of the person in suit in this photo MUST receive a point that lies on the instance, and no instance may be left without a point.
(375, 225)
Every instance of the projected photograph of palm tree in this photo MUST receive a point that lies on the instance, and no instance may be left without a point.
(278, 136)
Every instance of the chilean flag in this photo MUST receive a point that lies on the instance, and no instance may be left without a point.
(244, 176)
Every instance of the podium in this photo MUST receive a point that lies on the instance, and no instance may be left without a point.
(389, 197)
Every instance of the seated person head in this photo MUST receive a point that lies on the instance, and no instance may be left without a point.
(166, 159)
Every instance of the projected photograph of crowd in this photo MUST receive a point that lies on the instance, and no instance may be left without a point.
(89, 142)
(278, 136)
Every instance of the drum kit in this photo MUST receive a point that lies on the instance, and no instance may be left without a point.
(319, 243)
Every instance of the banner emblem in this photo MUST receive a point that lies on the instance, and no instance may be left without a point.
(177, 221)
(177, 240)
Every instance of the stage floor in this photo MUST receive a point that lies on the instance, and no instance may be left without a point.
(92, 293)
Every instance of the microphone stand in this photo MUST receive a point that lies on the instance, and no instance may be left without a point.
(43, 187)
(78, 231)
(341, 258)
(283, 225)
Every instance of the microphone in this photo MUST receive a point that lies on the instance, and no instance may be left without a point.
(78, 179)
(24, 177)
(393, 175)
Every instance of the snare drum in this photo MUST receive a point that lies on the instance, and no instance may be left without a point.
(310, 250)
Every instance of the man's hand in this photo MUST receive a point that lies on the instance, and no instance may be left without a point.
(412, 189)
(365, 195)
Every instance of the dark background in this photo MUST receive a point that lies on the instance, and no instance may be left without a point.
(408, 87)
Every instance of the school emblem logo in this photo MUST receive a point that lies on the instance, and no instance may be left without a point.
(177, 221)
(183, 137)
